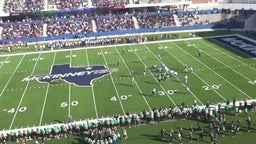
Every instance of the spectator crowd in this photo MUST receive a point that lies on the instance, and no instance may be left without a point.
(114, 23)
(109, 3)
(19, 6)
(84, 22)
(69, 26)
(153, 20)
(67, 4)
(22, 30)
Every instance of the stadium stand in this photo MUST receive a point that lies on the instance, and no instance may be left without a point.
(109, 3)
(73, 24)
(67, 4)
(112, 23)
(69, 26)
(22, 30)
(153, 20)
(18, 6)
(66, 25)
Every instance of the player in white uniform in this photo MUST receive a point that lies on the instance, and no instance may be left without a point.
(191, 70)
(186, 79)
(199, 52)
(158, 55)
(154, 91)
(188, 90)
(144, 71)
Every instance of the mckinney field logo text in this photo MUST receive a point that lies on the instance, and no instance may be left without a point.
(80, 76)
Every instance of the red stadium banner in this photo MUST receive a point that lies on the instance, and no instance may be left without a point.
(120, 7)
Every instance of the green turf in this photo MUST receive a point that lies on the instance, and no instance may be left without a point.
(31, 103)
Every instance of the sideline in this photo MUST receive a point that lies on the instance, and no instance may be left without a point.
(117, 45)
(81, 122)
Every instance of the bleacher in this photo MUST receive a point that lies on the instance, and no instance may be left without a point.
(69, 25)
(80, 18)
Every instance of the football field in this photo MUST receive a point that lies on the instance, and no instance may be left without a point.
(87, 83)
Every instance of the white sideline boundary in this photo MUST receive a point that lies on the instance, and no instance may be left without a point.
(117, 45)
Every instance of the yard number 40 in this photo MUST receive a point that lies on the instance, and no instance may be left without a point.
(13, 110)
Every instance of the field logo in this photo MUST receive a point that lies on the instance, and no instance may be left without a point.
(80, 76)
(239, 43)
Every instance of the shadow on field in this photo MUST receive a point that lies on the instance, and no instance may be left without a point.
(180, 92)
(150, 82)
(79, 140)
(121, 75)
(125, 84)
(154, 137)
(110, 64)
(146, 94)
(136, 61)
(58, 121)
(175, 80)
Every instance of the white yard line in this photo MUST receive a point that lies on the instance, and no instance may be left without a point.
(69, 87)
(228, 54)
(222, 63)
(134, 80)
(121, 104)
(46, 93)
(214, 72)
(4, 61)
(11, 76)
(24, 92)
(195, 74)
(155, 79)
(92, 88)
(178, 79)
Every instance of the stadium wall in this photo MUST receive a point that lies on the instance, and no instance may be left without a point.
(250, 23)
(220, 5)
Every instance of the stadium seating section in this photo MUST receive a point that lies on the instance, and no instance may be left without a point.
(72, 22)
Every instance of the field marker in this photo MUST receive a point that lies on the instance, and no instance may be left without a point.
(4, 61)
(154, 76)
(46, 94)
(121, 104)
(224, 64)
(11, 76)
(196, 74)
(134, 80)
(23, 93)
(178, 79)
(232, 70)
(93, 94)
(248, 65)
(217, 74)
